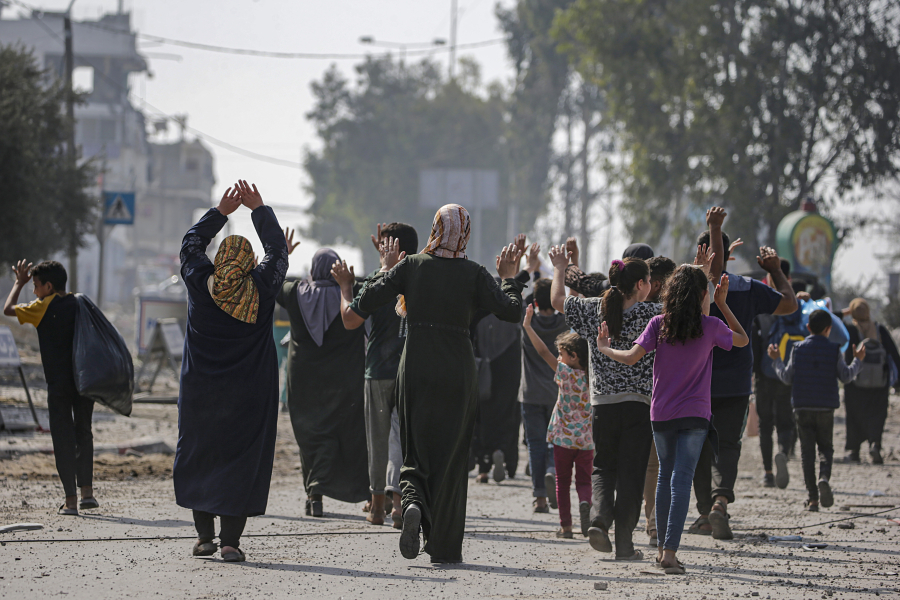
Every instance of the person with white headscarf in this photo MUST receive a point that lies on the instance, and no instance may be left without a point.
(326, 363)
(439, 292)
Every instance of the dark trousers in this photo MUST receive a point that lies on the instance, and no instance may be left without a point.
(536, 418)
(622, 436)
(716, 478)
(73, 442)
(773, 406)
(232, 528)
(816, 428)
(866, 415)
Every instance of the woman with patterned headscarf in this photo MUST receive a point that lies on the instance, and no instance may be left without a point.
(437, 389)
(325, 388)
(867, 406)
(228, 402)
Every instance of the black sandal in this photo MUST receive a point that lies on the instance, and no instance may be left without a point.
(87, 503)
(68, 512)
(207, 548)
(236, 556)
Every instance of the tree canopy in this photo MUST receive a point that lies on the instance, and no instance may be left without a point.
(754, 104)
(378, 133)
(40, 215)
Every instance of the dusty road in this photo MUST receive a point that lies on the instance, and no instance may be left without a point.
(509, 552)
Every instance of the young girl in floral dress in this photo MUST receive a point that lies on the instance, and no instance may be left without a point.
(570, 424)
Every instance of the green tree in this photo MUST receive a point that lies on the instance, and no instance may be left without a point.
(39, 216)
(754, 104)
(379, 133)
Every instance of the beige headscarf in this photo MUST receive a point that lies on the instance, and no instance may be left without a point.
(859, 310)
(449, 232)
(231, 286)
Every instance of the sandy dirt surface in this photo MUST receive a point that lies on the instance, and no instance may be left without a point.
(509, 551)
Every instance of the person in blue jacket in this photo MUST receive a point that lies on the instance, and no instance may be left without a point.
(813, 369)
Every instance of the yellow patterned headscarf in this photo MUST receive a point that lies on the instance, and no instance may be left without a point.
(232, 288)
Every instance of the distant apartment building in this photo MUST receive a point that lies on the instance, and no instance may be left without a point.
(170, 180)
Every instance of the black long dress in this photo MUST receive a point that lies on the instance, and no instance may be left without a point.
(436, 383)
(228, 402)
(325, 390)
(867, 408)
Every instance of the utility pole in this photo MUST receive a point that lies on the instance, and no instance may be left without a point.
(70, 145)
(453, 19)
(101, 234)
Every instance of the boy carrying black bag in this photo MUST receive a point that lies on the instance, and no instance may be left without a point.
(53, 314)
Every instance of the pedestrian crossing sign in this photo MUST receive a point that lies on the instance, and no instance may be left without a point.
(118, 208)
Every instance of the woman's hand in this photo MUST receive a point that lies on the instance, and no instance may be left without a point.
(529, 314)
(722, 291)
(559, 257)
(230, 202)
(289, 238)
(343, 274)
(572, 249)
(250, 196)
(508, 261)
(602, 336)
(389, 249)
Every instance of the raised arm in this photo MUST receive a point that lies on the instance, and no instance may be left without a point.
(345, 277)
(626, 357)
(785, 372)
(23, 275)
(198, 237)
(768, 259)
(273, 267)
(559, 258)
(536, 341)
(848, 373)
(503, 300)
(715, 217)
(739, 336)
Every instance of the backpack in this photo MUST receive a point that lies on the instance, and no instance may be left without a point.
(784, 333)
(876, 372)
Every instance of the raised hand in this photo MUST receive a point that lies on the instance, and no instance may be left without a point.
(768, 259)
(289, 238)
(603, 335)
(389, 249)
(250, 196)
(734, 246)
(343, 274)
(859, 351)
(533, 259)
(376, 239)
(508, 261)
(715, 217)
(572, 249)
(230, 202)
(722, 291)
(22, 269)
(772, 351)
(529, 314)
(704, 258)
(520, 242)
(559, 257)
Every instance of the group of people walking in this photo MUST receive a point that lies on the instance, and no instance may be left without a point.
(639, 381)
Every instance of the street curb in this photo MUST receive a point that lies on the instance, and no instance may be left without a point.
(144, 445)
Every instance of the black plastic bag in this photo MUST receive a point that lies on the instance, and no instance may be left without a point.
(104, 371)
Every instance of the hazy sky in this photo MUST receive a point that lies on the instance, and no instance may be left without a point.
(260, 103)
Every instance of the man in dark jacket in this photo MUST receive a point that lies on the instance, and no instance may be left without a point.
(813, 369)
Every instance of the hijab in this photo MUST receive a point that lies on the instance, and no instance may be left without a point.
(319, 296)
(859, 310)
(449, 232)
(231, 286)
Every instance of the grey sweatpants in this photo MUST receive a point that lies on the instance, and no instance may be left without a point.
(382, 436)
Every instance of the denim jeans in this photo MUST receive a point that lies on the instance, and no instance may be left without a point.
(536, 420)
(678, 451)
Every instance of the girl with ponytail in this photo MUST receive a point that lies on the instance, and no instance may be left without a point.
(620, 399)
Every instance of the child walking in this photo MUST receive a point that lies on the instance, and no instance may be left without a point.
(813, 369)
(683, 337)
(53, 315)
(570, 424)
